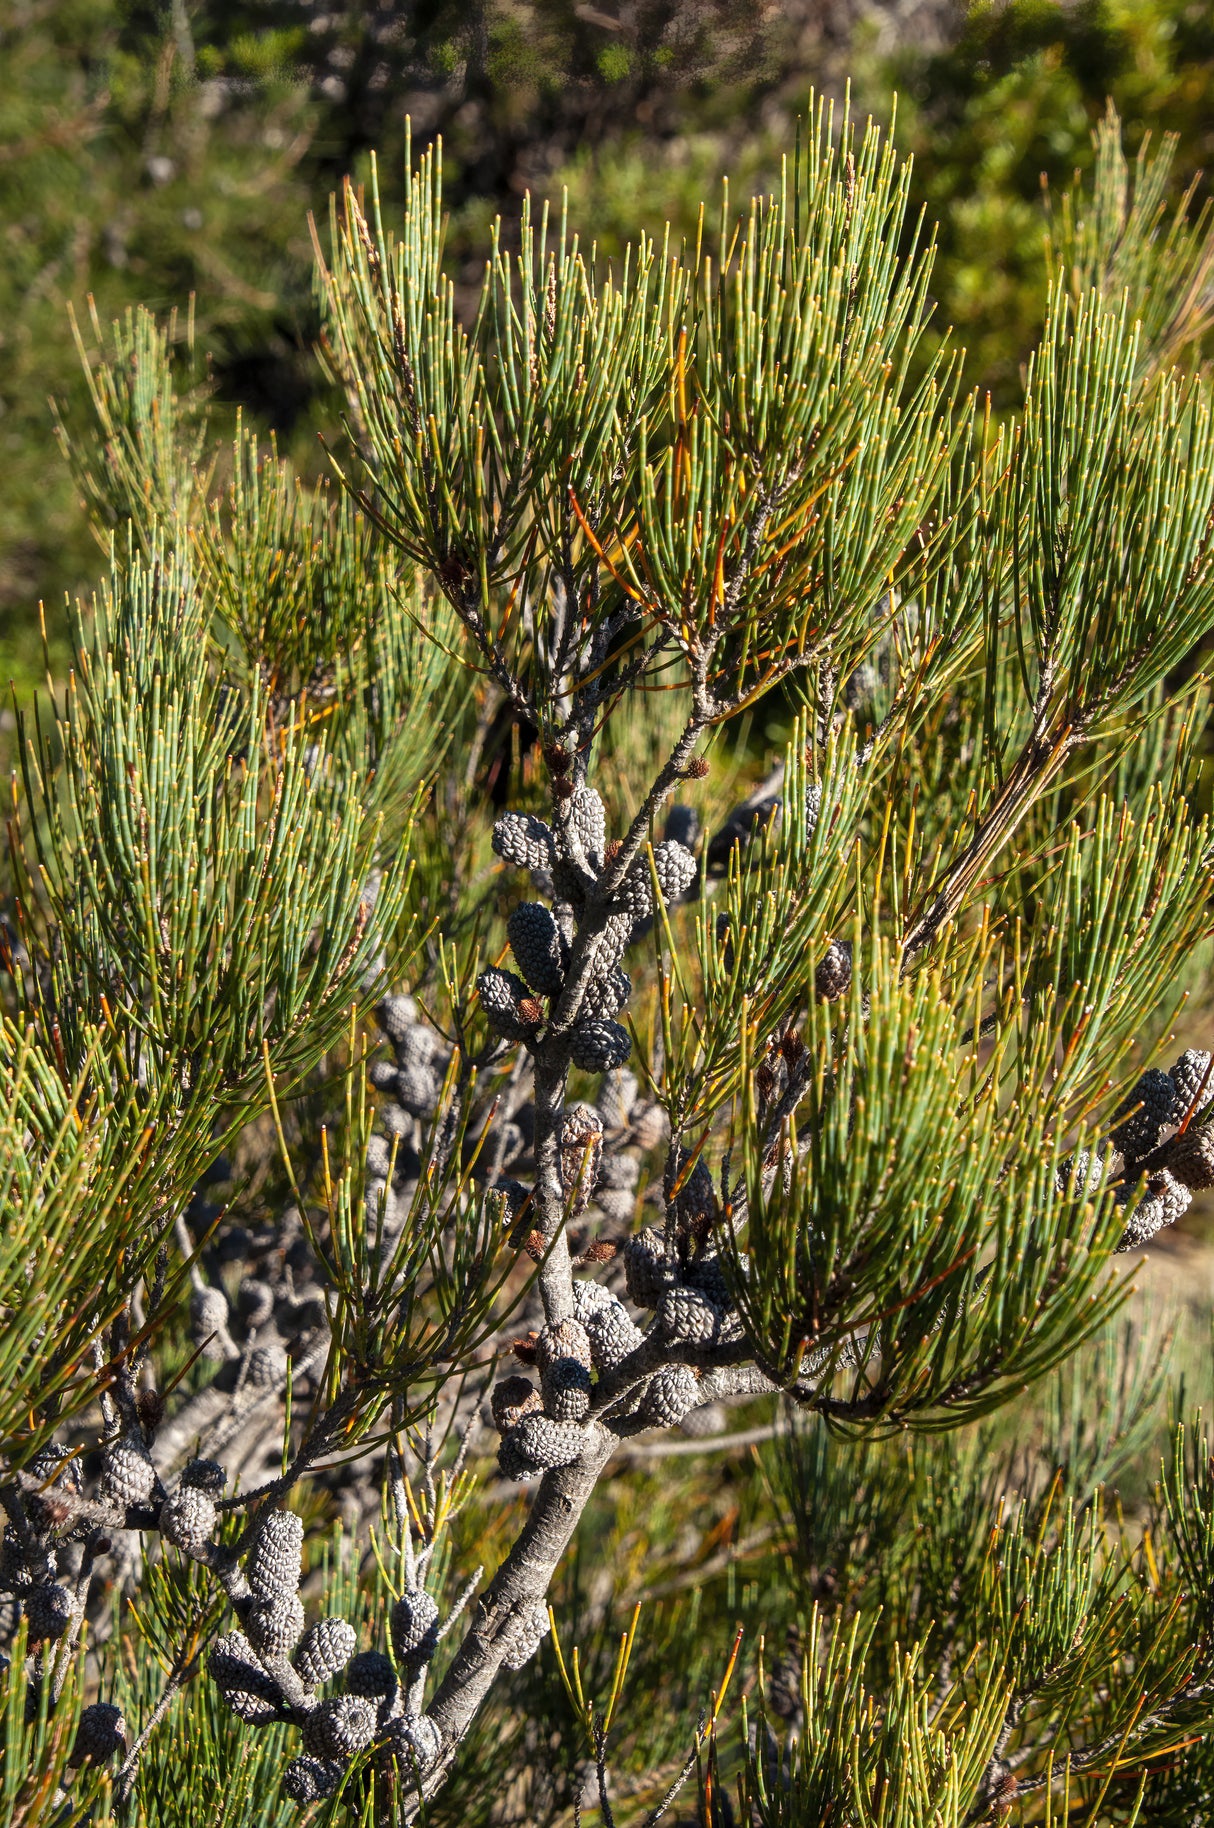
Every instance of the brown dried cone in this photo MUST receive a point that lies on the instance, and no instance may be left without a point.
(325, 1648)
(530, 1629)
(647, 1273)
(340, 1727)
(49, 1610)
(1194, 1081)
(310, 1780)
(833, 975)
(511, 1399)
(127, 1474)
(276, 1558)
(669, 1394)
(537, 1443)
(275, 1626)
(415, 1742)
(187, 1519)
(413, 1627)
(101, 1735)
(1159, 1100)
(596, 1046)
(502, 998)
(538, 947)
(581, 1152)
(525, 841)
(1164, 1201)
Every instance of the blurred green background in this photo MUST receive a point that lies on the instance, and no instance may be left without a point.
(172, 155)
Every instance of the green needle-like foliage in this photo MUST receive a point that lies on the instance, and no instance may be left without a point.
(809, 1114)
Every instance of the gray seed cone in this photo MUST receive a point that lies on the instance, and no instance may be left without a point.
(541, 1443)
(1187, 1075)
(413, 1626)
(101, 1735)
(501, 993)
(187, 1519)
(49, 1611)
(596, 1046)
(646, 1271)
(565, 1339)
(588, 1297)
(127, 1473)
(246, 1689)
(276, 1557)
(1156, 1093)
(266, 1367)
(370, 1673)
(530, 1631)
(687, 1317)
(276, 1626)
(566, 1387)
(617, 1095)
(204, 1476)
(340, 1727)
(675, 868)
(613, 1334)
(1164, 1201)
(695, 1201)
(15, 1576)
(589, 820)
(833, 975)
(668, 1396)
(396, 1015)
(325, 1648)
(1191, 1157)
(310, 1780)
(616, 1204)
(414, 1741)
(539, 949)
(525, 841)
(605, 996)
(209, 1315)
(581, 1150)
